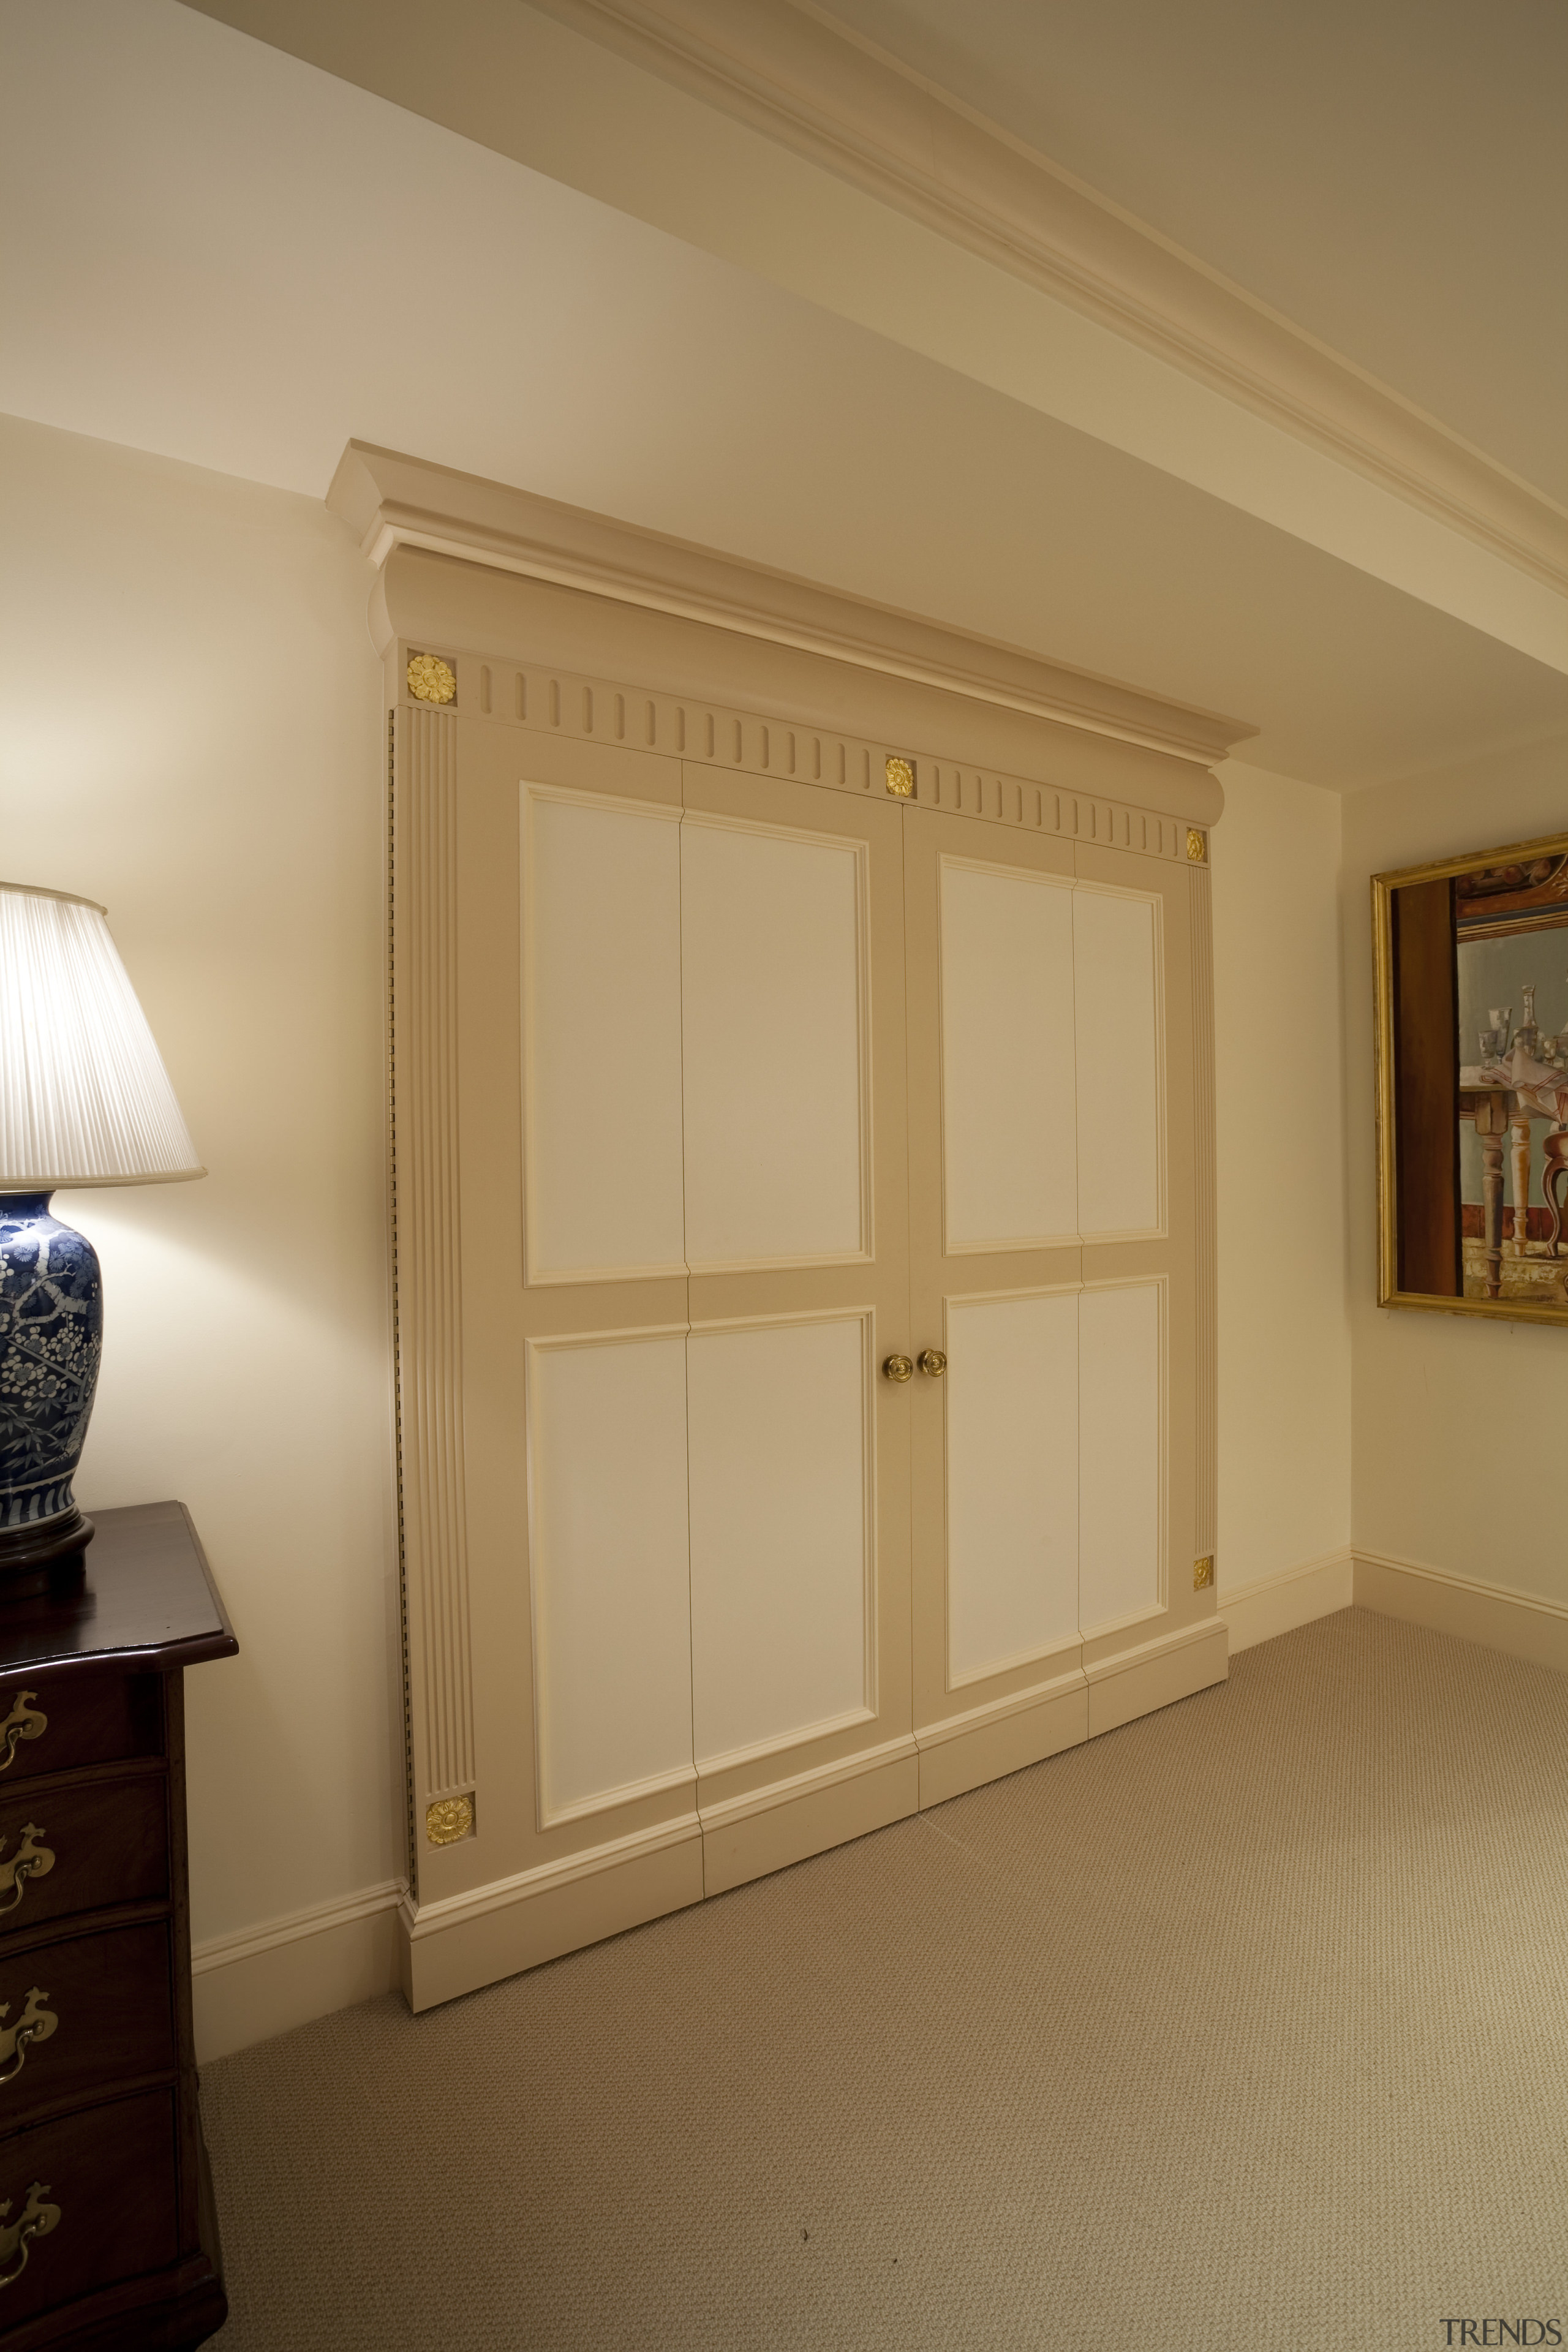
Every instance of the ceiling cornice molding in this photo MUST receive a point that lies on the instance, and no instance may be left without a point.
(390, 500)
(788, 71)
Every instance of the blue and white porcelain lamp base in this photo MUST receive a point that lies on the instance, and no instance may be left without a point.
(51, 1337)
(84, 1100)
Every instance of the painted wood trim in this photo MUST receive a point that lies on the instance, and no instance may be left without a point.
(390, 500)
(1268, 1605)
(964, 1750)
(832, 95)
(991, 1711)
(267, 1980)
(1135, 1680)
(627, 716)
(467, 1940)
(1003, 1739)
(867, 1792)
(424, 1920)
(1138, 1655)
(1498, 1616)
(429, 1263)
(315, 1919)
(1205, 1367)
(817, 1777)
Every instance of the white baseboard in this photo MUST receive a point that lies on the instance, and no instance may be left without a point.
(262, 1981)
(462, 1941)
(1266, 1605)
(746, 1837)
(1498, 1616)
(1154, 1673)
(962, 1751)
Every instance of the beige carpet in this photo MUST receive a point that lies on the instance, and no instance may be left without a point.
(1246, 2025)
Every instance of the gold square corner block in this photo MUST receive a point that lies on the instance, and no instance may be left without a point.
(450, 1819)
(1197, 846)
(1202, 1572)
(900, 777)
(431, 680)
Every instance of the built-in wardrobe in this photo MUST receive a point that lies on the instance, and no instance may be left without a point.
(801, 1049)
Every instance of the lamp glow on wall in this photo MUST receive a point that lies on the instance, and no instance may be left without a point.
(84, 1100)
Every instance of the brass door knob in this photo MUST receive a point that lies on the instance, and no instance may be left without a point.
(932, 1362)
(898, 1368)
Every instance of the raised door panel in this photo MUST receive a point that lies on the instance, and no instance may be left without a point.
(602, 1037)
(1119, 1063)
(611, 1658)
(1009, 1180)
(1122, 1414)
(1011, 1481)
(772, 955)
(782, 1534)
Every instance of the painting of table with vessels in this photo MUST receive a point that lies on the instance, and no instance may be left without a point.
(1472, 1082)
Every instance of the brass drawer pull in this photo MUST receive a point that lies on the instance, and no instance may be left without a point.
(24, 1722)
(29, 1861)
(898, 1368)
(35, 2024)
(35, 2220)
(932, 1362)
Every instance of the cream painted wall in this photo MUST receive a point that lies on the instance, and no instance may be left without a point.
(1446, 1407)
(1284, 1335)
(189, 722)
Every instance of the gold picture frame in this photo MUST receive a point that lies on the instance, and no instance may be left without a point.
(1442, 932)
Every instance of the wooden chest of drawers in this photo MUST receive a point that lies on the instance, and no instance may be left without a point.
(108, 2235)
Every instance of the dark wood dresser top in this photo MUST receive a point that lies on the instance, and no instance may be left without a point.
(146, 1598)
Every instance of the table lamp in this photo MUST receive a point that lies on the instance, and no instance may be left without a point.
(84, 1100)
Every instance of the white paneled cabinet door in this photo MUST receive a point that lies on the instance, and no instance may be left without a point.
(718, 1499)
(1041, 1268)
(605, 1697)
(796, 1234)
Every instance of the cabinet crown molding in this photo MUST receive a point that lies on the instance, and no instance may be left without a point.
(390, 500)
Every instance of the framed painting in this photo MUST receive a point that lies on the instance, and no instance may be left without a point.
(1472, 1082)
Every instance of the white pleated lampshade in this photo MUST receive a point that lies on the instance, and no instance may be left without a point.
(84, 1096)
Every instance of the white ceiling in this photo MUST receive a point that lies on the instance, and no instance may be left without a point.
(1391, 174)
(220, 253)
